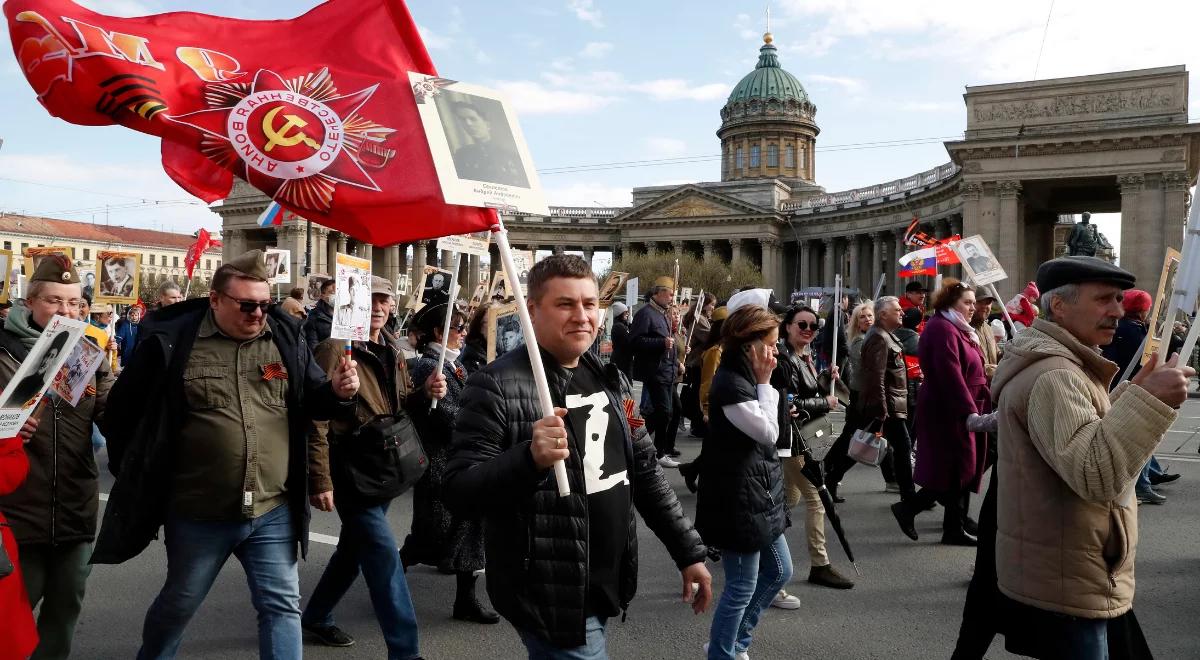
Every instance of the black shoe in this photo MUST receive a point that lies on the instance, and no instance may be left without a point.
(971, 526)
(472, 611)
(1164, 478)
(690, 474)
(905, 520)
(827, 576)
(832, 487)
(959, 538)
(328, 635)
(674, 453)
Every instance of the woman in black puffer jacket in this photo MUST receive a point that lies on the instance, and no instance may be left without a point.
(740, 507)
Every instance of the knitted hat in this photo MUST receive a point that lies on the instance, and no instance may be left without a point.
(619, 308)
(1031, 292)
(1136, 300)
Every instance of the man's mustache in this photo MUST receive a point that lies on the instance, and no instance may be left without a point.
(1108, 325)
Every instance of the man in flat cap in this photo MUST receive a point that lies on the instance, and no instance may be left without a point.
(1070, 453)
(654, 363)
(53, 514)
(207, 431)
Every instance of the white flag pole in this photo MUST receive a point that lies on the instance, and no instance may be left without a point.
(1003, 308)
(535, 356)
(879, 286)
(698, 300)
(187, 289)
(1185, 299)
(836, 315)
(446, 324)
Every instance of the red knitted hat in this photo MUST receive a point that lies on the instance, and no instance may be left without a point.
(1136, 300)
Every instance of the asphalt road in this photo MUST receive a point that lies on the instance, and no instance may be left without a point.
(907, 603)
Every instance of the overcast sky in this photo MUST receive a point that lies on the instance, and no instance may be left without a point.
(599, 82)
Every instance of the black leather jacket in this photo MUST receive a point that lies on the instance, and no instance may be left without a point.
(536, 542)
(796, 376)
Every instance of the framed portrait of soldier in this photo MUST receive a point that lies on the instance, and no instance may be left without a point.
(117, 277)
(279, 266)
(977, 259)
(6, 260)
(612, 287)
(433, 289)
(500, 288)
(37, 372)
(34, 255)
(479, 295)
(478, 149)
(503, 330)
(351, 298)
(1160, 325)
(312, 288)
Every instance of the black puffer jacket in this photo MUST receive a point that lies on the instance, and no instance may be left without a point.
(796, 376)
(536, 541)
(319, 324)
(740, 505)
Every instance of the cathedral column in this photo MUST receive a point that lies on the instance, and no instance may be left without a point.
(876, 259)
(677, 248)
(852, 245)
(805, 263)
(401, 258)
(1140, 252)
(827, 280)
(707, 246)
(1175, 208)
(900, 251)
(472, 276)
(420, 260)
(735, 249)
(1010, 246)
(560, 250)
(588, 255)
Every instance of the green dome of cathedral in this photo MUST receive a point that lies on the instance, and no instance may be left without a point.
(768, 80)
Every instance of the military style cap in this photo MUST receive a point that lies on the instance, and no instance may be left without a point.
(55, 268)
(1078, 269)
(380, 285)
(252, 264)
(665, 281)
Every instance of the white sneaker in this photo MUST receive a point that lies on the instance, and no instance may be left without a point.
(668, 462)
(740, 655)
(785, 601)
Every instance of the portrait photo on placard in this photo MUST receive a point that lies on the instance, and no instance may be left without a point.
(500, 288)
(503, 330)
(279, 266)
(41, 365)
(312, 288)
(34, 255)
(434, 287)
(117, 274)
(352, 298)
(981, 265)
(612, 286)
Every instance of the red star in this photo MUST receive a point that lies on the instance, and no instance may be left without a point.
(343, 169)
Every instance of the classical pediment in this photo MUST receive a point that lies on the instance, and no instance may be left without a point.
(690, 201)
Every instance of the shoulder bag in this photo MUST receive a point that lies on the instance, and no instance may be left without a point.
(816, 434)
(382, 459)
(868, 447)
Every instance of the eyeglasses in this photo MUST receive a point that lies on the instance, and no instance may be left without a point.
(248, 306)
(461, 327)
(805, 325)
(55, 301)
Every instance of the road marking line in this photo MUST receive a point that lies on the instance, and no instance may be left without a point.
(1186, 458)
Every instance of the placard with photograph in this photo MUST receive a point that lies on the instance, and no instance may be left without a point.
(503, 330)
(117, 275)
(523, 260)
(977, 259)
(279, 266)
(479, 295)
(685, 296)
(434, 288)
(36, 373)
(1160, 325)
(611, 287)
(631, 292)
(475, 244)
(478, 149)
(6, 260)
(74, 376)
(500, 288)
(33, 255)
(352, 298)
(312, 288)
(402, 281)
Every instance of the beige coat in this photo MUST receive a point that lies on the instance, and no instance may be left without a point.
(1070, 454)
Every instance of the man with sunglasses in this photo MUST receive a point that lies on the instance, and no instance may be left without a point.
(207, 431)
(53, 513)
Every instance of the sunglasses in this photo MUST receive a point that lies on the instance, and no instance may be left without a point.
(461, 327)
(248, 306)
(805, 325)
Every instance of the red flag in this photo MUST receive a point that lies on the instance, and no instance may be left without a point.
(316, 112)
(203, 243)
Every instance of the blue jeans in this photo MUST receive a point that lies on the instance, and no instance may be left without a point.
(593, 646)
(1151, 467)
(196, 551)
(366, 543)
(751, 581)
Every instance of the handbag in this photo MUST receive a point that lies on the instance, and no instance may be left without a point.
(6, 565)
(868, 447)
(382, 459)
(816, 434)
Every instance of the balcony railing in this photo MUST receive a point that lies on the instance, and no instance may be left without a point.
(877, 191)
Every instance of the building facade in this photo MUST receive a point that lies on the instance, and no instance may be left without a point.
(1033, 153)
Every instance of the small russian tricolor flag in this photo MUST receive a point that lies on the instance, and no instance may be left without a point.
(919, 267)
(272, 215)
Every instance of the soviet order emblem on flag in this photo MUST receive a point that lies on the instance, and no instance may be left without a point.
(316, 112)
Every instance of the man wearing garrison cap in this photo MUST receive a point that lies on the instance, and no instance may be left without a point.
(206, 433)
(1069, 454)
(654, 363)
(53, 513)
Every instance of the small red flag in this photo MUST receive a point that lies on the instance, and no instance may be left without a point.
(316, 112)
(203, 243)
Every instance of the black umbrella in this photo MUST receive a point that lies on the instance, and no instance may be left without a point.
(812, 472)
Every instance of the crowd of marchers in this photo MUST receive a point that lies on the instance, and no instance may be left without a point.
(228, 418)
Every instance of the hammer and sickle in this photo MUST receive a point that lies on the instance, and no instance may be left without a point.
(280, 137)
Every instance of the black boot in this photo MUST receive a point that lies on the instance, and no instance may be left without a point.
(467, 606)
(690, 471)
(906, 519)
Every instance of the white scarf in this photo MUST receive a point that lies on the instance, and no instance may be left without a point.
(960, 322)
(451, 354)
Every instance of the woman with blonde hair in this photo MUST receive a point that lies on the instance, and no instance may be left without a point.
(741, 508)
(837, 463)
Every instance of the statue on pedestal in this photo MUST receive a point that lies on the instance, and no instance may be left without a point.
(1085, 239)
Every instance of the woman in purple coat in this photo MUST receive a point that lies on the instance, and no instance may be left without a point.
(951, 442)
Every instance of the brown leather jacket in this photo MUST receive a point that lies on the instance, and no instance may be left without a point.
(882, 382)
